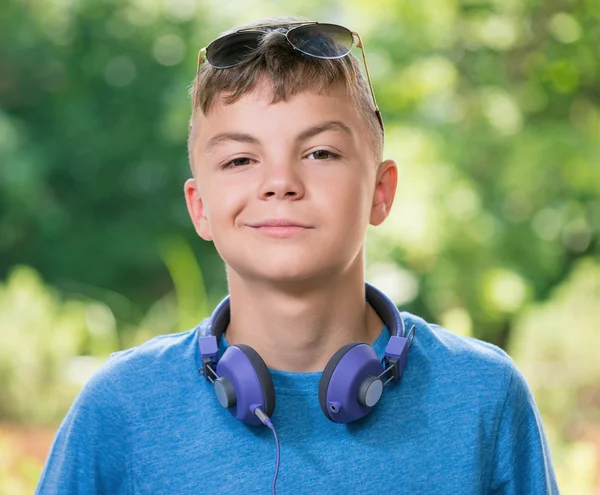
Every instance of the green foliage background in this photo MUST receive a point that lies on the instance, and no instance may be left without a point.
(492, 111)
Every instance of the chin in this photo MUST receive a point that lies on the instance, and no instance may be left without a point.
(286, 274)
(283, 273)
(284, 266)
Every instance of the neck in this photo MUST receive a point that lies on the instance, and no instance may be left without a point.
(299, 329)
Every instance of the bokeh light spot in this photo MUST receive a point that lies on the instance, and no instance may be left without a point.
(169, 49)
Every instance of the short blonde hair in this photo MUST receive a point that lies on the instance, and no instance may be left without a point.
(290, 72)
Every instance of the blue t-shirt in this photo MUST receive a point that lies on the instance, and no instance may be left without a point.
(461, 421)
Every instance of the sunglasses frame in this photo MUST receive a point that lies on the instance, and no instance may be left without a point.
(355, 36)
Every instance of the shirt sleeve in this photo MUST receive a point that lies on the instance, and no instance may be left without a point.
(90, 452)
(522, 462)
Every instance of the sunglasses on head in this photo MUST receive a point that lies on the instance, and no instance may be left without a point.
(326, 41)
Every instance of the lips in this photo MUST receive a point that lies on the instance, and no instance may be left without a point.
(280, 228)
(279, 222)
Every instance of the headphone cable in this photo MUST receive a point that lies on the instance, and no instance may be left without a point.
(267, 422)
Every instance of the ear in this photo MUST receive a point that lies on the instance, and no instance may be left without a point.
(195, 208)
(385, 191)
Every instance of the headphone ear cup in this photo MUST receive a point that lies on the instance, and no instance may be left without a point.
(250, 380)
(328, 373)
(350, 385)
(264, 377)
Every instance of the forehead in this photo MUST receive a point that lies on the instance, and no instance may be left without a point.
(257, 112)
(307, 104)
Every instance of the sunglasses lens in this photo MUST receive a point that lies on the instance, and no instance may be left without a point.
(232, 49)
(322, 40)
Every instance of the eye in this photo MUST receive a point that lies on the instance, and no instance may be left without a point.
(236, 162)
(323, 155)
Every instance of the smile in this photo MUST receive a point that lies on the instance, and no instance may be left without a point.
(281, 231)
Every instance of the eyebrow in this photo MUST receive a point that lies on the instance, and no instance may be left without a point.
(238, 137)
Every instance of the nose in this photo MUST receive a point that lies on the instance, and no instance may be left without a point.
(281, 181)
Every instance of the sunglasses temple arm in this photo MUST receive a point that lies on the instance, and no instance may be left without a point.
(362, 49)
(201, 59)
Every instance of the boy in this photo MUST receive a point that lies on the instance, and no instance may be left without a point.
(285, 146)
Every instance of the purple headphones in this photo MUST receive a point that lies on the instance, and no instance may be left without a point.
(351, 383)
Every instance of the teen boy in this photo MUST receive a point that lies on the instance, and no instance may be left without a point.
(286, 150)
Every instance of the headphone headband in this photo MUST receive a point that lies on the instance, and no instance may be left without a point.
(382, 305)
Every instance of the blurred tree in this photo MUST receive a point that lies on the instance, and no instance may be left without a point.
(93, 123)
(493, 115)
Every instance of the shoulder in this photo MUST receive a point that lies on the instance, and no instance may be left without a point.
(455, 349)
(162, 360)
(444, 361)
(154, 351)
(93, 448)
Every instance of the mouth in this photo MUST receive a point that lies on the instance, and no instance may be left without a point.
(280, 228)
(278, 222)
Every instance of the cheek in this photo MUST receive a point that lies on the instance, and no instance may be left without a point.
(347, 206)
(351, 200)
(223, 205)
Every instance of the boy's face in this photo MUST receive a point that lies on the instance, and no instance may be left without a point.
(304, 162)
